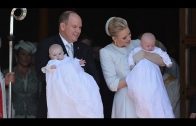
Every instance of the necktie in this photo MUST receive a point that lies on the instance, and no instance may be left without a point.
(70, 50)
(1, 102)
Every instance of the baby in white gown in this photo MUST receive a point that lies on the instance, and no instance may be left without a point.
(70, 92)
(145, 82)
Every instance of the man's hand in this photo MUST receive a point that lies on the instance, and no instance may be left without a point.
(9, 77)
(82, 62)
(53, 67)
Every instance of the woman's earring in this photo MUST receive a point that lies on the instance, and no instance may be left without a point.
(115, 43)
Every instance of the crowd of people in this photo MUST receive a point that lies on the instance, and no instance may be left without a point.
(62, 77)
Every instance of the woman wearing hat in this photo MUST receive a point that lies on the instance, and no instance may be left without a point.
(25, 91)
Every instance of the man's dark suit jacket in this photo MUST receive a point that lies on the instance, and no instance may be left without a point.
(81, 51)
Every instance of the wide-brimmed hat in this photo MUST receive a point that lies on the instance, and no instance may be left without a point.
(27, 46)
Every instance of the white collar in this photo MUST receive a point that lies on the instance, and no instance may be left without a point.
(65, 42)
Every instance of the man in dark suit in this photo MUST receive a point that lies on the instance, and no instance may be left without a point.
(70, 25)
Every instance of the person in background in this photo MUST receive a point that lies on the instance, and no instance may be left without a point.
(192, 101)
(172, 84)
(114, 64)
(171, 81)
(70, 25)
(87, 40)
(27, 87)
(107, 95)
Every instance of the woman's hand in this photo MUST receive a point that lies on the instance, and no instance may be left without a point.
(155, 58)
(138, 56)
(9, 77)
(122, 84)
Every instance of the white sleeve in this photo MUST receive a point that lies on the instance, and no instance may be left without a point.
(130, 59)
(47, 68)
(43, 69)
(108, 69)
(164, 56)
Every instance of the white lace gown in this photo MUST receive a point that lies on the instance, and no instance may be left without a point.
(71, 92)
(146, 87)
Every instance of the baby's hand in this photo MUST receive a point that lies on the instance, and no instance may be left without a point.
(53, 67)
(82, 62)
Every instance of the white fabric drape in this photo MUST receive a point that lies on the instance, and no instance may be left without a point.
(71, 92)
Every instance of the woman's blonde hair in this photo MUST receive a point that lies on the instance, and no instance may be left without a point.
(114, 25)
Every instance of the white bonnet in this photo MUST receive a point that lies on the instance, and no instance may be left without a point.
(26, 45)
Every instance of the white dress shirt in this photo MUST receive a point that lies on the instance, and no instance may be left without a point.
(68, 46)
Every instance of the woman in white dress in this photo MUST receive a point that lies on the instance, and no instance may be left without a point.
(114, 63)
(73, 95)
(145, 82)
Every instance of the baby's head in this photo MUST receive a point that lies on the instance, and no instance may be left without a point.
(148, 41)
(56, 52)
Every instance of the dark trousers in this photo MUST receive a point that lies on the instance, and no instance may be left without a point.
(42, 105)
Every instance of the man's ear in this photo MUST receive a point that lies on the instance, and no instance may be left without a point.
(62, 26)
